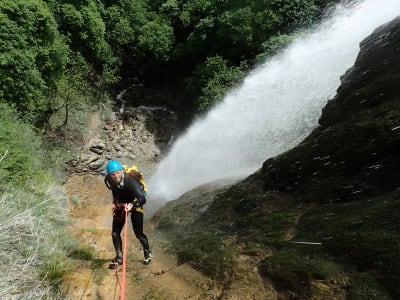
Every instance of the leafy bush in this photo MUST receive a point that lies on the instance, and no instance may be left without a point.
(32, 55)
(156, 38)
(83, 24)
(272, 46)
(211, 81)
(300, 12)
(20, 149)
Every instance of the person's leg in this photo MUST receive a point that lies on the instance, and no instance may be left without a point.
(117, 225)
(137, 224)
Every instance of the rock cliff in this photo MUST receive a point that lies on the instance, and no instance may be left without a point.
(137, 136)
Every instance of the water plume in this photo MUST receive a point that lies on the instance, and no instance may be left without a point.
(276, 107)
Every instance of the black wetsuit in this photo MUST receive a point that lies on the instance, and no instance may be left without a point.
(129, 191)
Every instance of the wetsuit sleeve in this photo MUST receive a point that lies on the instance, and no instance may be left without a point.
(137, 192)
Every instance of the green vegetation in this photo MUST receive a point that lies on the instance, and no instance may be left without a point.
(204, 250)
(20, 149)
(212, 80)
(33, 240)
(358, 240)
(52, 53)
(358, 250)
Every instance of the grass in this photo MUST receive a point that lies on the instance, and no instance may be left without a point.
(81, 252)
(34, 247)
(35, 250)
(99, 272)
(137, 278)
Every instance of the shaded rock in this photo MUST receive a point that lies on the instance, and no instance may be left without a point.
(354, 151)
(97, 147)
(96, 164)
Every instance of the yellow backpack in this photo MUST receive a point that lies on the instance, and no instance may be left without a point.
(134, 172)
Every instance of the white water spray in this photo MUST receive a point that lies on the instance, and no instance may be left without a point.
(276, 107)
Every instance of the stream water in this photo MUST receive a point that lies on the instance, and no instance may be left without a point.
(276, 107)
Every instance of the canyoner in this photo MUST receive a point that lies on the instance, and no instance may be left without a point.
(134, 172)
(128, 196)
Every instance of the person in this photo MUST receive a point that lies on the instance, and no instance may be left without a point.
(127, 196)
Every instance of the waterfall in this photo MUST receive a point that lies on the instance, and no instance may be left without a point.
(275, 108)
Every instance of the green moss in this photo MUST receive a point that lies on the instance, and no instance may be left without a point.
(206, 251)
(365, 286)
(359, 240)
(274, 227)
(293, 269)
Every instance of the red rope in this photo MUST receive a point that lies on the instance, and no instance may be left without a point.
(116, 275)
(117, 283)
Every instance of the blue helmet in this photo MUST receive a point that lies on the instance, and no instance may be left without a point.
(113, 166)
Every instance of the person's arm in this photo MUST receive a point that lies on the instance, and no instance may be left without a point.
(138, 197)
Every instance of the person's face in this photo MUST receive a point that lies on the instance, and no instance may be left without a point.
(116, 176)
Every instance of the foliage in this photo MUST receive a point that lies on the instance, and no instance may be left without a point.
(119, 31)
(240, 32)
(32, 55)
(81, 252)
(38, 41)
(211, 81)
(235, 31)
(156, 38)
(194, 11)
(83, 25)
(123, 21)
(272, 46)
(20, 148)
(70, 100)
(300, 12)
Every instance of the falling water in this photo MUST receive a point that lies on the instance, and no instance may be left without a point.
(275, 108)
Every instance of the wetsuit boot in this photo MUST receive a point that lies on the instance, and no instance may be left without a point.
(147, 256)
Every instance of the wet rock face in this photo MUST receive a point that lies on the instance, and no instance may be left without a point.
(373, 80)
(139, 136)
(355, 150)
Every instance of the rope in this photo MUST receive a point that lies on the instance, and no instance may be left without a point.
(116, 284)
(116, 275)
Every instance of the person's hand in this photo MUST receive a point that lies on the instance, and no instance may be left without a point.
(114, 209)
(128, 207)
